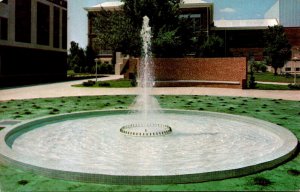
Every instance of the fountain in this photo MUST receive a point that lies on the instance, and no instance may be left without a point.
(145, 145)
(146, 106)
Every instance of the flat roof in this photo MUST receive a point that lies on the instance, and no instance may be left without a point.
(245, 24)
(116, 5)
(185, 4)
(111, 5)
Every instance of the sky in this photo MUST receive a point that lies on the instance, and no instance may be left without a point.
(77, 20)
(241, 9)
(223, 9)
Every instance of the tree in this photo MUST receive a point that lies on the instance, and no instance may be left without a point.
(76, 57)
(90, 56)
(252, 83)
(161, 13)
(277, 47)
(114, 32)
(81, 60)
(166, 44)
(170, 35)
(212, 46)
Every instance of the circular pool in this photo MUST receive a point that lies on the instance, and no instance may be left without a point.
(203, 146)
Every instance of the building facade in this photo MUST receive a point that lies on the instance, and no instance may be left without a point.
(200, 13)
(33, 41)
(242, 38)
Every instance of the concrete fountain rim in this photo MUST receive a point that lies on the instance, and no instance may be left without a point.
(8, 156)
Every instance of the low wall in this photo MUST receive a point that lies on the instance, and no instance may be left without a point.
(208, 72)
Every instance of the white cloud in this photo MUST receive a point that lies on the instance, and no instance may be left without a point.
(227, 10)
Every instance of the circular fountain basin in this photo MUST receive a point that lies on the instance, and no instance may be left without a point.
(203, 146)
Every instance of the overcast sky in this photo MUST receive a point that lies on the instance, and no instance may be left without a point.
(223, 9)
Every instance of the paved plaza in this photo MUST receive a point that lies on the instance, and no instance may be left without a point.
(65, 89)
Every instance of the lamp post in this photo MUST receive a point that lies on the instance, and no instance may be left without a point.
(96, 61)
(295, 59)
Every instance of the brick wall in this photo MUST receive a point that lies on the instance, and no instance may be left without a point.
(211, 72)
(293, 35)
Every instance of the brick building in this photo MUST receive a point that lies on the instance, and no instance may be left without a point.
(241, 37)
(33, 41)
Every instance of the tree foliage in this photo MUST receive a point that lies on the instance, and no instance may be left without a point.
(162, 14)
(277, 47)
(173, 43)
(90, 56)
(114, 32)
(76, 56)
(252, 83)
(212, 46)
(81, 60)
(169, 33)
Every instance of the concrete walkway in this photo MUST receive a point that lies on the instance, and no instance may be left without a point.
(271, 83)
(65, 89)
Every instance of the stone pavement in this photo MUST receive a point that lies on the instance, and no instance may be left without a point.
(65, 89)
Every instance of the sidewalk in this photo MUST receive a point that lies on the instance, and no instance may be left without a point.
(65, 89)
(272, 83)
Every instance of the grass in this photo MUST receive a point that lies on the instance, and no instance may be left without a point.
(121, 83)
(270, 77)
(71, 73)
(271, 87)
(285, 177)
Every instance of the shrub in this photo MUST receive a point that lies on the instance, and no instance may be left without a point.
(294, 86)
(87, 69)
(133, 81)
(263, 68)
(105, 68)
(252, 83)
(259, 66)
(76, 69)
(288, 75)
(88, 83)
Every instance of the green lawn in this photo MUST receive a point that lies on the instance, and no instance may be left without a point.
(285, 113)
(270, 77)
(267, 77)
(271, 87)
(120, 83)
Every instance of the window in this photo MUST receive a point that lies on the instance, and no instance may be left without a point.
(287, 69)
(43, 24)
(23, 21)
(3, 28)
(195, 21)
(56, 25)
(297, 68)
(64, 29)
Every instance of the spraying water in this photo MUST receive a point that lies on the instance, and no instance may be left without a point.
(146, 105)
(146, 72)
